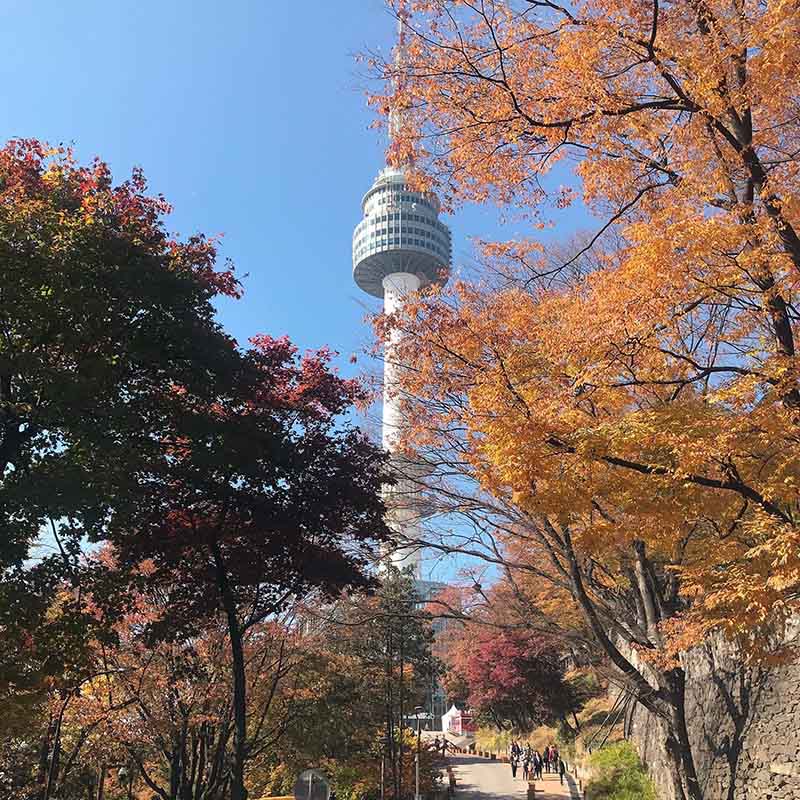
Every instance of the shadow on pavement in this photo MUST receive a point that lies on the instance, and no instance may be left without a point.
(471, 760)
(574, 792)
(551, 786)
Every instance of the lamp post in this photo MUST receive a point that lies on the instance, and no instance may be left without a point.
(382, 752)
(417, 712)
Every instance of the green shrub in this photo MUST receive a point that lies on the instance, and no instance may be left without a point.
(619, 775)
(491, 739)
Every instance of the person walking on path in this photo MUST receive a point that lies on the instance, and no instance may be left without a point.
(526, 765)
(537, 764)
(553, 758)
(514, 764)
(562, 768)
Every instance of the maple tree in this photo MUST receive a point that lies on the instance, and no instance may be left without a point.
(128, 416)
(99, 309)
(510, 677)
(516, 679)
(163, 710)
(629, 423)
(266, 498)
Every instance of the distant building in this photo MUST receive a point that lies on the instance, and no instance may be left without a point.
(458, 722)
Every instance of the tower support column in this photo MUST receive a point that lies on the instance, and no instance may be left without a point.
(405, 512)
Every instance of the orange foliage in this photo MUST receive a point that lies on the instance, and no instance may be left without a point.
(654, 395)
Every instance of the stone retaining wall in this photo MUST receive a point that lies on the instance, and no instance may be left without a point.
(744, 725)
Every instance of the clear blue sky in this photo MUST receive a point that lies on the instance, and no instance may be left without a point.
(248, 115)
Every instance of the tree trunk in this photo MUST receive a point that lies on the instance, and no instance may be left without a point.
(669, 702)
(577, 722)
(217, 774)
(44, 756)
(101, 782)
(175, 770)
(682, 746)
(563, 719)
(55, 758)
(647, 593)
(238, 790)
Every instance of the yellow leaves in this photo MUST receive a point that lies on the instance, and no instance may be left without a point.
(651, 383)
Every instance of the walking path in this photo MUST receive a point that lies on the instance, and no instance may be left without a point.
(480, 779)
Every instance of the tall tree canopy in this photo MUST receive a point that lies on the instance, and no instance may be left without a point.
(628, 413)
(101, 311)
(265, 499)
(655, 394)
(127, 415)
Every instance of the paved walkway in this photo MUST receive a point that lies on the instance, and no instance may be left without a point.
(482, 779)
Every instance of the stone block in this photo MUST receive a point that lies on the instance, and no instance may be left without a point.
(785, 768)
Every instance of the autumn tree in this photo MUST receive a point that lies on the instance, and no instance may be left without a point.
(159, 710)
(100, 311)
(163, 710)
(165, 707)
(266, 498)
(129, 416)
(630, 428)
(512, 678)
(501, 664)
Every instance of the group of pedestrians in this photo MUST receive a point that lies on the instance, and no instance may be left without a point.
(441, 745)
(535, 763)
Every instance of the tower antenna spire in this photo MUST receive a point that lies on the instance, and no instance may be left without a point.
(402, 17)
(397, 115)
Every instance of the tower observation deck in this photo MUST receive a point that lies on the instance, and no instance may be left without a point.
(399, 234)
(399, 247)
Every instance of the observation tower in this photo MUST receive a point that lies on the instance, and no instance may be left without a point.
(399, 247)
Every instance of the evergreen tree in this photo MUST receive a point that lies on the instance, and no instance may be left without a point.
(390, 636)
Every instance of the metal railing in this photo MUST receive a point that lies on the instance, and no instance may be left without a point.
(620, 707)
